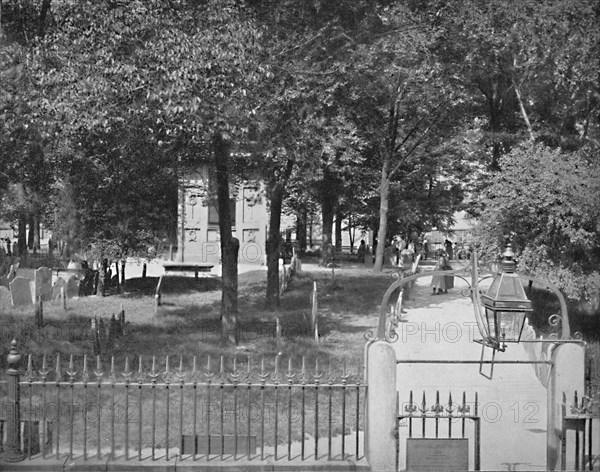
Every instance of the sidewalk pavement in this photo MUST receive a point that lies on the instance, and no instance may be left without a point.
(512, 405)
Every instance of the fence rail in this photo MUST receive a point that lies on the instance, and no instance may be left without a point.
(227, 410)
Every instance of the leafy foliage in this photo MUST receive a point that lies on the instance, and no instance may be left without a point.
(545, 201)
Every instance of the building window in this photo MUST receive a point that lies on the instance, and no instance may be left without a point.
(213, 212)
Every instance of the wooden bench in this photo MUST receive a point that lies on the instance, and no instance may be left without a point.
(196, 268)
(171, 267)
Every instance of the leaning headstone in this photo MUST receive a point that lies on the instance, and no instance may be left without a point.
(20, 292)
(43, 283)
(72, 287)
(12, 272)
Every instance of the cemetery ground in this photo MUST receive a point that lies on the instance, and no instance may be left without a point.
(187, 322)
(187, 325)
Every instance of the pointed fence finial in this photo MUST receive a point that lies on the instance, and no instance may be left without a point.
(85, 375)
(57, 370)
(71, 372)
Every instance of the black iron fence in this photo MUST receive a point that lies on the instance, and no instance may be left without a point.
(227, 409)
(442, 419)
(580, 436)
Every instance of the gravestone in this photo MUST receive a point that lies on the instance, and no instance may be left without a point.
(20, 292)
(60, 283)
(5, 299)
(12, 272)
(43, 283)
(72, 287)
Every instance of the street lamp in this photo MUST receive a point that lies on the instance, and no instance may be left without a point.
(505, 306)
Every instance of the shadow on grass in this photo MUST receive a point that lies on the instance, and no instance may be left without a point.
(189, 322)
(173, 284)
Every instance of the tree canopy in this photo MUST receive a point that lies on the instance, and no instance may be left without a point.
(394, 113)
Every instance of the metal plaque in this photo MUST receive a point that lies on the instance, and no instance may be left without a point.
(437, 454)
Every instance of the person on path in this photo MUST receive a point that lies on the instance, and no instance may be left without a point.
(449, 249)
(362, 251)
(442, 283)
(425, 249)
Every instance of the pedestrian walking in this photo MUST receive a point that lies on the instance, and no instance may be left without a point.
(362, 251)
(442, 283)
(449, 249)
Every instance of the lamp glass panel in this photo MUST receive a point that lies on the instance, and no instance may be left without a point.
(507, 287)
(490, 324)
(511, 323)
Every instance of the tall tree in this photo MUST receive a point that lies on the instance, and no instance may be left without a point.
(182, 71)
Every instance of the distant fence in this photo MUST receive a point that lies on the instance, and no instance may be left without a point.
(225, 410)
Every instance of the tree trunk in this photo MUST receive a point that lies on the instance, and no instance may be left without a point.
(328, 212)
(45, 8)
(524, 112)
(384, 196)
(273, 244)
(351, 233)
(30, 232)
(36, 233)
(274, 238)
(329, 195)
(229, 245)
(22, 238)
(123, 262)
(116, 276)
(338, 231)
(301, 231)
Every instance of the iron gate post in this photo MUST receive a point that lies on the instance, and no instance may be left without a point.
(13, 421)
(382, 416)
(567, 375)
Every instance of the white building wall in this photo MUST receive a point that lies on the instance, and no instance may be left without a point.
(199, 237)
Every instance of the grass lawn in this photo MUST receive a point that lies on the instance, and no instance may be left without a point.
(187, 323)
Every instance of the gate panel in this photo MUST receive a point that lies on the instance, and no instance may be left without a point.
(437, 432)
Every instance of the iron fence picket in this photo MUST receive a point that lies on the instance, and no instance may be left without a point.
(437, 413)
(579, 415)
(73, 421)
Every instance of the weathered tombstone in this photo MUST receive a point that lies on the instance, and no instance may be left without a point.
(43, 283)
(12, 272)
(112, 332)
(101, 333)
(72, 287)
(20, 292)
(95, 336)
(5, 299)
(121, 322)
(60, 283)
